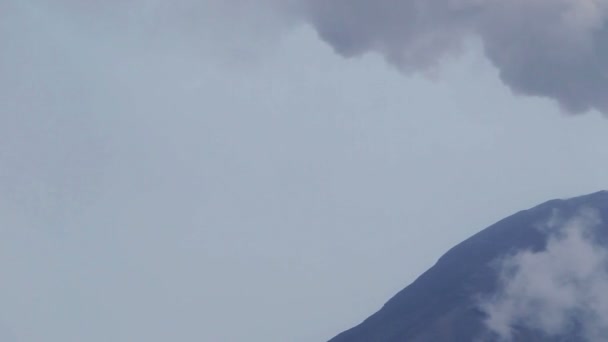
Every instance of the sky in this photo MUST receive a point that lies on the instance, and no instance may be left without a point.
(249, 171)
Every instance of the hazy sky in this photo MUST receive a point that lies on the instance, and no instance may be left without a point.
(204, 171)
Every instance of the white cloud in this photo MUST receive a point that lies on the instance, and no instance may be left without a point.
(556, 291)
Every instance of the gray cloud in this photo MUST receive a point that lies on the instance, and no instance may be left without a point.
(558, 290)
(556, 49)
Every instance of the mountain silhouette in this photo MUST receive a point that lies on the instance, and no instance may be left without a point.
(443, 304)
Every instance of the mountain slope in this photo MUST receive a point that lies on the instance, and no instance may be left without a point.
(443, 304)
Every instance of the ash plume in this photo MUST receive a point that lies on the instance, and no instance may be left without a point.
(549, 48)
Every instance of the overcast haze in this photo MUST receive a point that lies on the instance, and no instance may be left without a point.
(214, 172)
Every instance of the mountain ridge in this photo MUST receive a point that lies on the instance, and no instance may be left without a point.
(440, 305)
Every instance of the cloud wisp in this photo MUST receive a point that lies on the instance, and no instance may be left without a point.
(549, 48)
(559, 291)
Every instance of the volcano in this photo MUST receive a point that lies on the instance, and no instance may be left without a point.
(538, 275)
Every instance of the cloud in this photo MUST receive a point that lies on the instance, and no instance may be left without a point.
(560, 291)
(549, 48)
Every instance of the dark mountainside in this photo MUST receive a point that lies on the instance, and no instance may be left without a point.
(441, 304)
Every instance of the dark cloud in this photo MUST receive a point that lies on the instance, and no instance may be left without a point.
(549, 48)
